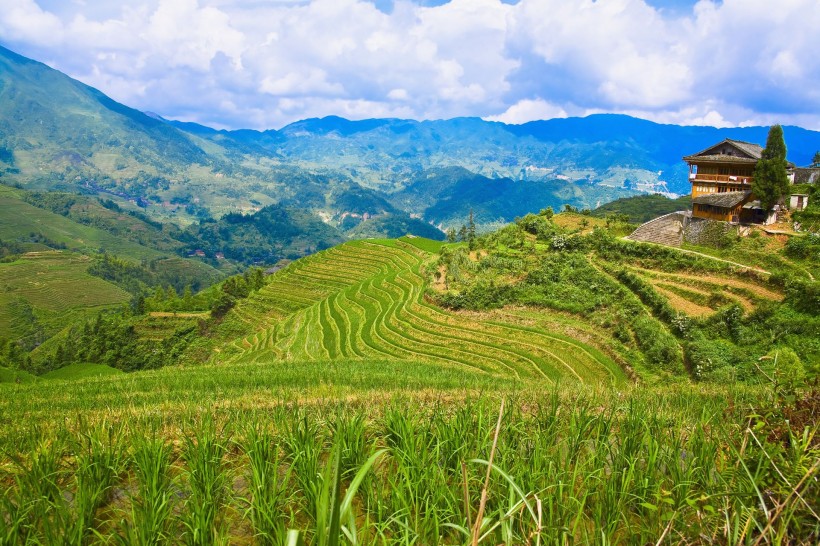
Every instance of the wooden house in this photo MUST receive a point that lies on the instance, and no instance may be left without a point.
(721, 177)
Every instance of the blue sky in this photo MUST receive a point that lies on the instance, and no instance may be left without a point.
(265, 63)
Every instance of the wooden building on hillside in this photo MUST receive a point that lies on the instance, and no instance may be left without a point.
(721, 177)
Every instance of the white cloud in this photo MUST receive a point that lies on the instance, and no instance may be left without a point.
(527, 110)
(262, 64)
(25, 21)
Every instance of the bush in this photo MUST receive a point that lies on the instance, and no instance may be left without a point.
(804, 248)
(658, 346)
(784, 368)
(708, 358)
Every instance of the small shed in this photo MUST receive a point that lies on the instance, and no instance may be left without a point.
(798, 201)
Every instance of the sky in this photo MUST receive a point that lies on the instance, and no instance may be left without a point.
(262, 64)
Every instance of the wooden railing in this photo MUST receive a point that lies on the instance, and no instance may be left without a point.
(732, 178)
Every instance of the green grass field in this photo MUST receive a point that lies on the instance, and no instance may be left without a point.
(365, 300)
(19, 219)
(240, 453)
(82, 371)
(341, 406)
(52, 289)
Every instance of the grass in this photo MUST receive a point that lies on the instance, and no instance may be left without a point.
(51, 289)
(82, 371)
(365, 300)
(428, 245)
(19, 219)
(15, 376)
(572, 464)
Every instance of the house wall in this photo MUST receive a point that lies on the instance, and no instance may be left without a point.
(716, 213)
(703, 231)
(720, 177)
(796, 203)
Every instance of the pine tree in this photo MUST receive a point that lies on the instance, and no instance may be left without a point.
(451, 235)
(187, 297)
(770, 180)
(471, 231)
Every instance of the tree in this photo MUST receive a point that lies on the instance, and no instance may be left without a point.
(816, 161)
(222, 305)
(462, 233)
(471, 231)
(770, 180)
(451, 235)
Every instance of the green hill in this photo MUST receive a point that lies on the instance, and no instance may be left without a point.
(364, 300)
(42, 292)
(70, 257)
(560, 299)
(642, 208)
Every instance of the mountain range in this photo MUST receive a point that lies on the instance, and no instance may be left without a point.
(375, 177)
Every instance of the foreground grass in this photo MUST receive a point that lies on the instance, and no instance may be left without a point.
(82, 371)
(388, 453)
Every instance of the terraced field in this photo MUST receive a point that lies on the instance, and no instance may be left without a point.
(701, 295)
(365, 300)
(55, 287)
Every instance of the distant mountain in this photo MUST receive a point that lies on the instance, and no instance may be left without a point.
(604, 149)
(57, 133)
(53, 128)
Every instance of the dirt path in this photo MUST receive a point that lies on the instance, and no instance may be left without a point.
(202, 314)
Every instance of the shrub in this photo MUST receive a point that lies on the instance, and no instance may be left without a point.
(658, 346)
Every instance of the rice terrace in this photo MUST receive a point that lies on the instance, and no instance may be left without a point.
(350, 397)
(409, 273)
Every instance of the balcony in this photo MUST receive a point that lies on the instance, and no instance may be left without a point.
(730, 178)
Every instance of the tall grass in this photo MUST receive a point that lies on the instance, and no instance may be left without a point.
(267, 488)
(100, 461)
(153, 504)
(207, 483)
(571, 465)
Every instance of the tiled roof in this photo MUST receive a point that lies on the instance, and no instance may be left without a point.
(754, 151)
(724, 200)
(722, 158)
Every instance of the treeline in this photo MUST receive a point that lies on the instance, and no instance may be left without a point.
(265, 237)
(89, 211)
(9, 250)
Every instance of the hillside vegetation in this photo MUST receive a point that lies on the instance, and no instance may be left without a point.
(361, 386)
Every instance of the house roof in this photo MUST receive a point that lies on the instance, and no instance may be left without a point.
(724, 200)
(719, 158)
(748, 152)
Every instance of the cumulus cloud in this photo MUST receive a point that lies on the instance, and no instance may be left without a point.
(262, 64)
(529, 109)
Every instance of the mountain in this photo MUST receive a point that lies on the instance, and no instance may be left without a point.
(611, 150)
(56, 133)
(59, 134)
(53, 128)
